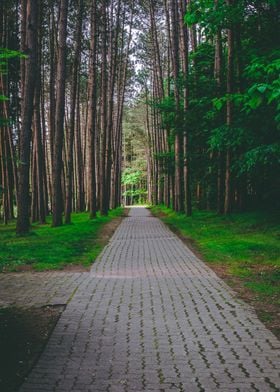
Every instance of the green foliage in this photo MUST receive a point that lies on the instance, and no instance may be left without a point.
(135, 193)
(6, 55)
(267, 155)
(265, 89)
(253, 137)
(53, 248)
(263, 74)
(225, 137)
(136, 145)
(211, 16)
(131, 177)
(3, 98)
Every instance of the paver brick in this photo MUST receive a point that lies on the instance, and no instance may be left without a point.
(151, 316)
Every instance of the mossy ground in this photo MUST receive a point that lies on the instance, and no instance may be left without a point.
(48, 248)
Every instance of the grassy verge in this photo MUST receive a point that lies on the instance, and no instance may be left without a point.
(242, 248)
(54, 248)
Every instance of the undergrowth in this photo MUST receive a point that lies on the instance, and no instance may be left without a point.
(49, 247)
(246, 244)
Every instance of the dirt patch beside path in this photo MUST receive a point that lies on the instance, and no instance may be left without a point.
(267, 312)
(108, 230)
(23, 335)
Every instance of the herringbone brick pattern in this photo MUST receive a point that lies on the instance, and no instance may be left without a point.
(150, 316)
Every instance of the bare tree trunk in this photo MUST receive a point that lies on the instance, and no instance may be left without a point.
(57, 199)
(38, 151)
(7, 157)
(92, 113)
(38, 134)
(44, 147)
(220, 157)
(52, 84)
(80, 163)
(230, 78)
(27, 113)
(76, 62)
(185, 69)
(103, 116)
(178, 203)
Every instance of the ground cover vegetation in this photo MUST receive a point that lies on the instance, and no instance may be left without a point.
(56, 248)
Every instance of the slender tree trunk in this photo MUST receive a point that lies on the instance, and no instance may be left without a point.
(103, 116)
(80, 163)
(92, 113)
(185, 68)
(27, 113)
(178, 204)
(70, 157)
(229, 119)
(57, 199)
(52, 84)
(220, 157)
(39, 158)
(38, 133)
(7, 156)
(44, 147)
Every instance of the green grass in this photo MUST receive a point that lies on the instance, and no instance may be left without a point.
(248, 244)
(54, 248)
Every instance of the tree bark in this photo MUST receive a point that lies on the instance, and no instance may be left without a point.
(27, 114)
(178, 203)
(185, 69)
(103, 116)
(74, 85)
(229, 114)
(92, 113)
(57, 199)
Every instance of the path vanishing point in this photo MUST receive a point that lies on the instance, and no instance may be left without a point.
(150, 316)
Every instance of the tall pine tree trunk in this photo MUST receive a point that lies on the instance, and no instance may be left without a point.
(103, 115)
(57, 199)
(27, 112)
(178, 203)
(92, 113)
(74, 85)
(229, 114)
(220, 155)
(185, 69)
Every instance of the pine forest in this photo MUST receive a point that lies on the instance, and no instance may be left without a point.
(139, 195)
(116, 102)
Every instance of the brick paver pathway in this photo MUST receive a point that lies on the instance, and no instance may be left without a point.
(152, 317)
(29, 289)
